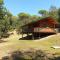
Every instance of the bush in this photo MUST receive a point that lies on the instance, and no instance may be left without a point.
(30, 54)
(17, 55)
(55, 58)
(5, 58)
(40, 55)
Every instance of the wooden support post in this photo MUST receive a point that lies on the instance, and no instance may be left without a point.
(56, 30)
(39, 36)
(22, 35)
(27, 34)
(22, 32)
(32, 36)
(39, 32)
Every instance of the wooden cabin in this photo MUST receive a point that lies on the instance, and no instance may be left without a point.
(44, 25)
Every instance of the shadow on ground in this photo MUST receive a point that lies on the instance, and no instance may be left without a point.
(1, 41)
(35, 37)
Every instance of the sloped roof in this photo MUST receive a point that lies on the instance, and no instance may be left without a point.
(30, 21)
(42, 18)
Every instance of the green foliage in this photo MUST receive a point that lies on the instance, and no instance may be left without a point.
(59, 15)
(2, 22)
(23, 15)
(1, 10)
(44, 13)
(1, 2)
(23, 18)
(53, 12)
(6, 21)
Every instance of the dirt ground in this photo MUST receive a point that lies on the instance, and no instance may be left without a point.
(13, 43)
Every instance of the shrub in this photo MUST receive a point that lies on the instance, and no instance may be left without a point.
(30, 54)
(6, 58)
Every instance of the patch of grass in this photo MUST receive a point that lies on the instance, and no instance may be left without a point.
(13, 43)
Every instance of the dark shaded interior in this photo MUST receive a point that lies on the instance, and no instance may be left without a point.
(36, 36)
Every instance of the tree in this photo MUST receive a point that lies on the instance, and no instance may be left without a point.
(14, 22)
(10, 20)
(5, 20)
(34, 18)
(24, 17)
(1, 9)
(59, 15)
(1, 1)
(1, 18)
(53, 12)
(43, 12)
